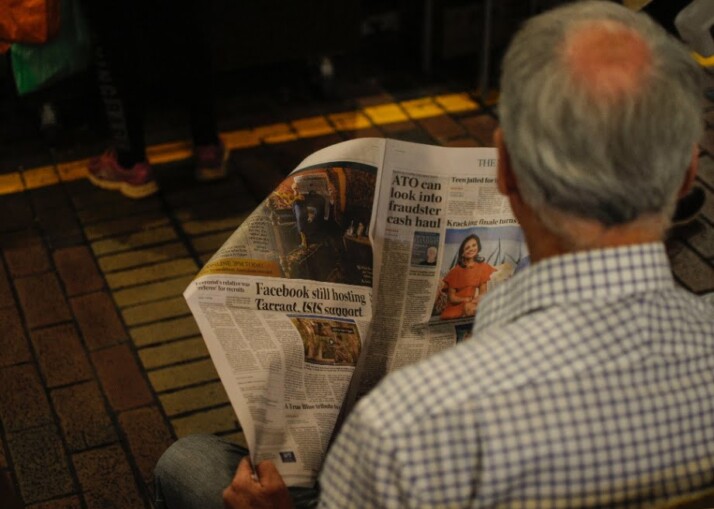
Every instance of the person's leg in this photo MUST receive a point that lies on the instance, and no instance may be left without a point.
(193, 72)
(121, 64)
(195, 470)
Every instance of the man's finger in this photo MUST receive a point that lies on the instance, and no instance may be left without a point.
(244, 473)
(269, 475)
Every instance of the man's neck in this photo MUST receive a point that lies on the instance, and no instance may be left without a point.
(577, 234)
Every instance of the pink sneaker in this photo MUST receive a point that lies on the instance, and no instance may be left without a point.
(135, 182)
(211, 161)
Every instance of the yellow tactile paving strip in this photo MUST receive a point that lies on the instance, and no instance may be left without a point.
(380, 114)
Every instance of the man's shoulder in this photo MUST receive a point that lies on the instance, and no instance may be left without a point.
(453, 379)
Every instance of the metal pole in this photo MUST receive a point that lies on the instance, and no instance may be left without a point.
(485, 48)
(427, 36)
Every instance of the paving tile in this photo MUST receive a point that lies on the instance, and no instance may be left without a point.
(8, 493)
(214, 420)
(463, 142)
(60, 227)
(77, 270)
(194, 398)
(215, 210)
(3, 457)
(176, 328)
(49, 197)
(183, 375)
(398, 128)
(125, 225)
(423, 107)
(152, 273)
(481, 127)
(388, 113)
(706, 170)
(708, 209)
(65, 503)
(230, 222)
(110, 209)
(106, 479)
(152, 291)
(98, 320)
(121, 378)
(74, 170)
(350, 120)
(209, 243)
(6, 298)
(60, 355)
(691, 270)
(86, 196)
(134, 240)
(11, 183)
(25, 254)
(135, 258)
(699, 235)
(15, 211)
(414, 136)
(442, 128)
(13, 343)
(275, 133)
(224, 192)
(148, 435)
(42, 300)
(23, 403)
(370, 132)
(456, 103)
(172, 353)
(40, 177)
(379, 97)
(155, 311)
(239, 139)
(83, 416)
(40, 463)
(169, 152)
(260, 169)
(312, 126)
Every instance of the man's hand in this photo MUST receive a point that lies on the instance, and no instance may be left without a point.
(247, 492)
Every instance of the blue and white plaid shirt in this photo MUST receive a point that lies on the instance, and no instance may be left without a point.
(589, 382)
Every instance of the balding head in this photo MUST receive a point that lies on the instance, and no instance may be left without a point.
(607, 59)
(600, 111)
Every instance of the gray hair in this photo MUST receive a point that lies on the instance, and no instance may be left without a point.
(608, 160)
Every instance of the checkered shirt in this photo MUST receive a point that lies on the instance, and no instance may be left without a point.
(589, 382)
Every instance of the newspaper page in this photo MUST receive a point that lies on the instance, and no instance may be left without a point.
(284, 306)
(443, 237)
(373, 254)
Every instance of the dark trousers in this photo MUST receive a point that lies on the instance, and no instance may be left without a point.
(145, 44)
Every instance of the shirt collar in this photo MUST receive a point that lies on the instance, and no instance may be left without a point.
(603, 274)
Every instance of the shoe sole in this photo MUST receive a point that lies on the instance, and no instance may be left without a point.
(130, 191)
(208, 173)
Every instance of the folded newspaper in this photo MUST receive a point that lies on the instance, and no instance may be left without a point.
(371, 255)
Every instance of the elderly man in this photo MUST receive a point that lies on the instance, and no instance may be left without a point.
(589, 379)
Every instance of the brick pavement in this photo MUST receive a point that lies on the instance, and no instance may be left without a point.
(101, 364)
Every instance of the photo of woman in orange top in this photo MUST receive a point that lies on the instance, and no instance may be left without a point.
(467, 282)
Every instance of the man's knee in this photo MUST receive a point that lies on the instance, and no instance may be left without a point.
(182, 454)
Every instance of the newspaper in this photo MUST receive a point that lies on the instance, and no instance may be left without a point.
(371, 255)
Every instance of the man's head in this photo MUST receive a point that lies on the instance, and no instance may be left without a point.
(600, 114)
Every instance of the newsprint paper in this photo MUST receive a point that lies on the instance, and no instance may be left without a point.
(371, 255)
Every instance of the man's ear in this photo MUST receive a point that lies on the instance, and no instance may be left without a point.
(691, 172)
(506, 180)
